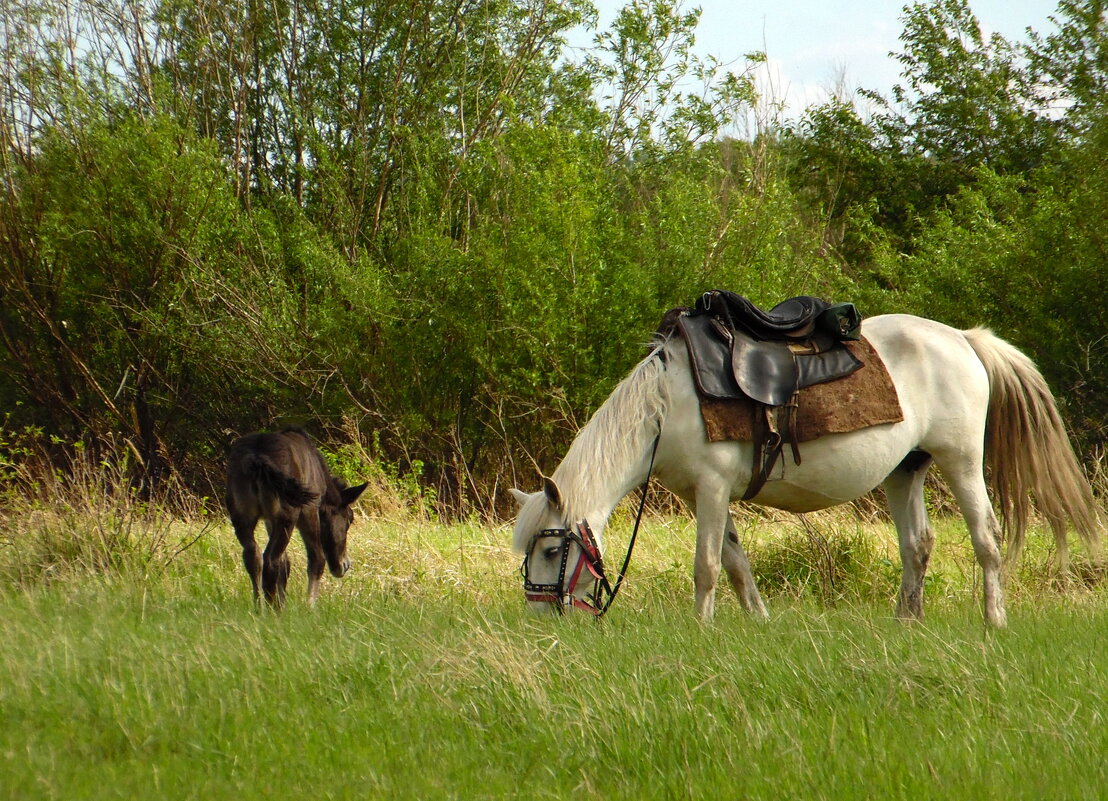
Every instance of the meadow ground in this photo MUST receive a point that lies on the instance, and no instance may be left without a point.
(420, 675)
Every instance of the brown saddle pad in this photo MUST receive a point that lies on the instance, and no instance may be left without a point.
(864, 398)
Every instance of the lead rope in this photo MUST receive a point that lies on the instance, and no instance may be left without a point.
(634, 531)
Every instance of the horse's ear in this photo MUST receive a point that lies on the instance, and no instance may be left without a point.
(350, 494)
(553, 494)
(520, 496)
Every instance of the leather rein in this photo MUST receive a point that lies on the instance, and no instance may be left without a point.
(561, 594)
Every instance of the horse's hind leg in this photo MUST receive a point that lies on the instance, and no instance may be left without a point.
(968, 484)
(275, 561)
(904, 490)
(251, 559)
(738, 570)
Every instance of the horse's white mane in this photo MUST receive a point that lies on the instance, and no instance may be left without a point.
(612, 442)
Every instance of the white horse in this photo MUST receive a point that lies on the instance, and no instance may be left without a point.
(967, 397)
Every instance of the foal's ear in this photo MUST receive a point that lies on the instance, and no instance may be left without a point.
(350, 494)
(553, 494)
(520, 496)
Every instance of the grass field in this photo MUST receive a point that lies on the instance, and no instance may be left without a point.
(420, 675)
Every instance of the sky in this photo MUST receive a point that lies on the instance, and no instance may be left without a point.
(813, 46)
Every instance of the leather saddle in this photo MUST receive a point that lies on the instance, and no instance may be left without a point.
(796, 318)
(740, 351)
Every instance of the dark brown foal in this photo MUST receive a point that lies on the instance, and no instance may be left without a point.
(282, 479)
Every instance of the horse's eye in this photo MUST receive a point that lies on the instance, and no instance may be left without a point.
(552, 552)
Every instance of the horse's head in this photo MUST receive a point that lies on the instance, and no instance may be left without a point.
(335, 518)
(562, 567)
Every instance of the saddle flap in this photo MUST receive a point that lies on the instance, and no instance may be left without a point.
(831, 365)
(765, 371)
(710, 354)
(731, 364)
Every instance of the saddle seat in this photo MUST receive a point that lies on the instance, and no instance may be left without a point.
(796, 318)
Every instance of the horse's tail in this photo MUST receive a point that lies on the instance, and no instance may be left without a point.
(268, 475)
(1028, 451)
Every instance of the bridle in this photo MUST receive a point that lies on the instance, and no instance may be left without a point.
(562, 593)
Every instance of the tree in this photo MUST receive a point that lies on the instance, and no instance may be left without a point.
(1070, 66)
(967, 101)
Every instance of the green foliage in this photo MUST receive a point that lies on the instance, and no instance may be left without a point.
(429, 228)
(967, 99)
(18, 451)
(966, 102)
(145, 301)
(1025, 258)
(644, 65)
(978, 199)
(1070, 65)
(67, 512)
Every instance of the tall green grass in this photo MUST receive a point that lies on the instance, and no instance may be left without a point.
(420, 675)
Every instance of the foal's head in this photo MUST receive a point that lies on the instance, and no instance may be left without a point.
(335, 517)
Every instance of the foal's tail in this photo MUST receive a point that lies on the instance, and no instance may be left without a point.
(1028, 451)
(268, 475)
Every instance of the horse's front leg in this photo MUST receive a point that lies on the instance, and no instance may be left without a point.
(712, 514)
(309, 532)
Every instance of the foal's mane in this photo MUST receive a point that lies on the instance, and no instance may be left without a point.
(613, 441)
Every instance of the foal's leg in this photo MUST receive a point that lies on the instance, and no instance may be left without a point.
(251, 559)
(968, 484)
(309, 532)
(738, 570)
(712, 515)
(904, 489)
(275, 560)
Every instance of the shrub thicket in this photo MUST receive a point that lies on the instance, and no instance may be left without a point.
(436, 238)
